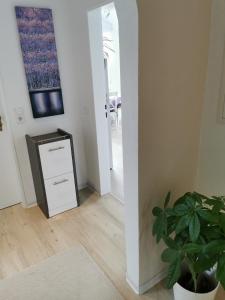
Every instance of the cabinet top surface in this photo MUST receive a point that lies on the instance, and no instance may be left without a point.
(50, 137)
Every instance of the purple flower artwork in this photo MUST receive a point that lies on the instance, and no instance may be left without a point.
(37, 39)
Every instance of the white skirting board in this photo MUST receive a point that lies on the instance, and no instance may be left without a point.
(29, 205)
(140, 290)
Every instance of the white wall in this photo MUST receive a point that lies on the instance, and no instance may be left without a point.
(79, 25)
(129, 49)
(173, 58)
(128, 30)
(211, 168)
(9, 174)
(72, 39)
(16, 93)
(99, 95)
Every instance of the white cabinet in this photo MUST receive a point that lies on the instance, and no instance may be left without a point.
(54, 173)
(61, 193)
(56, 158)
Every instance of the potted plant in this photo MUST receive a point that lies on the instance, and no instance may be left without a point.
(193, 230)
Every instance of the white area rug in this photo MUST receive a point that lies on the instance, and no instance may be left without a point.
(72, 275)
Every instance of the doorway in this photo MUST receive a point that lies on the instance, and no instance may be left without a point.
(111, 53)
(10, 185)
(128, 32)
(105, 61)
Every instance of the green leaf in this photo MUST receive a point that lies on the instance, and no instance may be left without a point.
(190, 202)
(181, 209)
(210, 202)
(170, 243)
(222, 222)
(204, 263)
(216, 203)
(169, 255)
(220, 273)
(170, 212)
(199, 198)
(202, 239)
(211, 233)
(214, 247)
(159, 227)
(156, 226)
(179, 239)
(217, 207)
(174, 272)
(171, 224)
(156, 211)
(192, 270)
(207, 215)
(167, 199)
(182, 224)
(194, 228)
(192, 248)
(180, 200)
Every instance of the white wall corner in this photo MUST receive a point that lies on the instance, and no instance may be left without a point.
(82, 186)
(143, 288)
(25, 205)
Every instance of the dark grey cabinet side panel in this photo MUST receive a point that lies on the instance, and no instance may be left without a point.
(37, 175)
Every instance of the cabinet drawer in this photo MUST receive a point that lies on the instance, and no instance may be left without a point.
(61, 193)
(56, 158)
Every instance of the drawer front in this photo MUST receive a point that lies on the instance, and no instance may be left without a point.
(61, 193)
(56, 158)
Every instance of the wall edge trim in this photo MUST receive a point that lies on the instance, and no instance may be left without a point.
(143, 288)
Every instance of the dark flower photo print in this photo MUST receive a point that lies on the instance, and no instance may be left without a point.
(37, 39)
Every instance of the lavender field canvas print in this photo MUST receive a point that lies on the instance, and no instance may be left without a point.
(37, 39)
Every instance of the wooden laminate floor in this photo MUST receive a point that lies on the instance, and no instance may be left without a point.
(27, 238)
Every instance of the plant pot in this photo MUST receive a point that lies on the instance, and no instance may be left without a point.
(181, 293)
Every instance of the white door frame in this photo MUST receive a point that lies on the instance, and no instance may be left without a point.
(6, 126)
(99, 93)
(107, 109)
